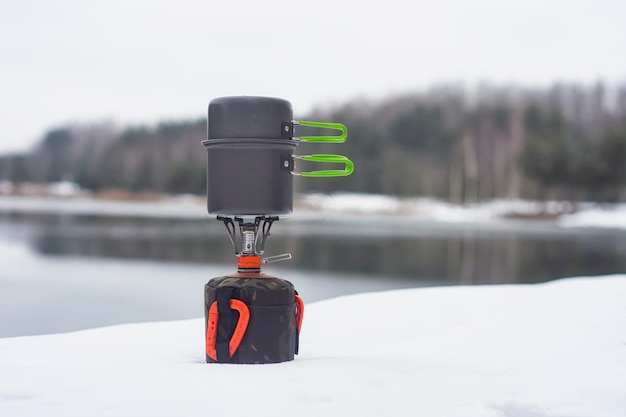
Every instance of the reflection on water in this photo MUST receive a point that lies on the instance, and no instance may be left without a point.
(64, 272)
(423, 253)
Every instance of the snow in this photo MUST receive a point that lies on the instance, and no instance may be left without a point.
(64, 189)
(424, 208)
(428, 209)
(352, 203)
(543, 350)
(612, 217)
(182, 208)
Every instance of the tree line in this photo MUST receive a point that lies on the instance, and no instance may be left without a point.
(460, 145)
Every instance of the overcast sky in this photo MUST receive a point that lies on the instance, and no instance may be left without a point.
(66, 61)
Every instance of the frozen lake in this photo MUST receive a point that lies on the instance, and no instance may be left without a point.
(77, 265)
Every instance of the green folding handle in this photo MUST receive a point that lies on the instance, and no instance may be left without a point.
(327, 139)
(347, 170)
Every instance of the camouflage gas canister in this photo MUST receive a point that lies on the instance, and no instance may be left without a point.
(251, 318)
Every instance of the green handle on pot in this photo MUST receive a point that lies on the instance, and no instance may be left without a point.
(347, 170)
(324, 125)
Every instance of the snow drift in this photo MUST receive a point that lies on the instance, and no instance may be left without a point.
(555, 349)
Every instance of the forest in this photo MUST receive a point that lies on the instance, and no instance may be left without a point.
(566, 141)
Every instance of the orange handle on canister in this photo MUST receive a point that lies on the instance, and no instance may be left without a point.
(299, 312)
(240, 329)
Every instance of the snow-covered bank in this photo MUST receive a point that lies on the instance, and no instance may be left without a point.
(564, 213)
(176, 207)
(344, 206)
(425, 208)
(610, 217)
(545, 350)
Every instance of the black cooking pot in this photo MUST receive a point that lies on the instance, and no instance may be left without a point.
(250, 155)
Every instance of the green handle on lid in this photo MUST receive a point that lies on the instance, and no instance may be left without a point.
(347, 170)
(324, 125)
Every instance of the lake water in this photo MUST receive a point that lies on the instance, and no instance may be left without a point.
(68, 270)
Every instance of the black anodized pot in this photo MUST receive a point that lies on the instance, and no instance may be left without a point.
(249, 159)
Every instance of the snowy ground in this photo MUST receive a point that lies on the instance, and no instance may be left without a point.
(548, 350)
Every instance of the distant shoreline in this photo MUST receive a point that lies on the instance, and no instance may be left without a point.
(334, 207)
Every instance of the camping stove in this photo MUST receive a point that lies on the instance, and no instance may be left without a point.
(252, 317)
(250, 256)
